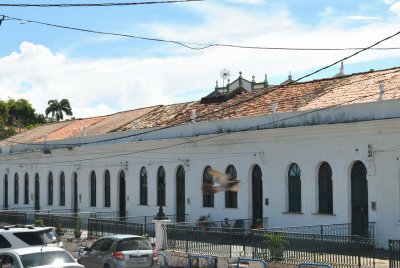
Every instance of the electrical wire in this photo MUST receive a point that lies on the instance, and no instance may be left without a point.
(327, 89)
(305, 76)
(100, 4)
(212, 136)
(191, 45)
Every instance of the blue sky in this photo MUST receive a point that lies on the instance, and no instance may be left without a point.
(102, 74)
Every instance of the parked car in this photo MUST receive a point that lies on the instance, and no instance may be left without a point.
(38, 256)
(12, 237)
(119, 251)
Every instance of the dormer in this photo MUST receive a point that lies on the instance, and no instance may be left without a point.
(232, 89)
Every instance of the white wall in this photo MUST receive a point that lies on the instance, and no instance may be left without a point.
(272, 149)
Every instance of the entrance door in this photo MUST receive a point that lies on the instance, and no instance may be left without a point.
(37, 192)
(257, 194)
(359, 200)
(6, 192)
(122, 195)
(180, 194)
(75, 193)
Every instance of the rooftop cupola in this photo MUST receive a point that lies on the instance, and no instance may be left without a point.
(289, 80)
(341, 72)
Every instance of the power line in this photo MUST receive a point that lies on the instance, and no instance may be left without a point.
(238, 103)
(190, 45)
(327, 88)
(331, 85)
(100, 4)
(213, 136)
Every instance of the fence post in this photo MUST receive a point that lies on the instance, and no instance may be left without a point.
(159, 233)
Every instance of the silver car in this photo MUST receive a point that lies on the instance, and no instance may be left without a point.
(119, 251)
(37, 256)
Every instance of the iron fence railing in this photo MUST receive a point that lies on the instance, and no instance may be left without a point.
(328, 229)
(287, 248)
(232, 223)
(394, 253)
(14, 218)
(139, 225)
(103, 227)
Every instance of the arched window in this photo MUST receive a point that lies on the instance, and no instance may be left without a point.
(208, 198)
(107, 190)
(325, 197)
(161, 187)
(143, 186)
(231, 197)
(294, 188)
(62, 189)
(26, 189)
(50, 189)
(16, 188)
(93, 189)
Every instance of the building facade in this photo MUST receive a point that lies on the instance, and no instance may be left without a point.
(326, 162)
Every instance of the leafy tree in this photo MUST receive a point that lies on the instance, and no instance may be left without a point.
(57, 109)
(21, 113)
(3, 113)
(17, 114)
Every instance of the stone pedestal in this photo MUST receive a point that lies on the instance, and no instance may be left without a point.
(159, 232)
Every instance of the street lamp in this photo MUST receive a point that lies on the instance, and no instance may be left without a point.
(161, 197)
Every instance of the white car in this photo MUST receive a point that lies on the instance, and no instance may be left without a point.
(38, 256)
(12, 237)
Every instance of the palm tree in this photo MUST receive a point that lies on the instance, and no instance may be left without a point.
(58, 108)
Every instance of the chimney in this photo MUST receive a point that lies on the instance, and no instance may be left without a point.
(274, 105)
(84, 131)
(135, 125)
(193, 116)
(381, 90)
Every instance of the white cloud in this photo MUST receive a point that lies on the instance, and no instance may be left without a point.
(102, 86)
(246, 1)
(395, 7)
(362, 18)
(389, 2)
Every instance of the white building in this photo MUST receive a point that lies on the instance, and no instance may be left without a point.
(319, 152)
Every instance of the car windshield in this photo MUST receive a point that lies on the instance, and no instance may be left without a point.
(133, 244)
(48, 236)
(45, 258)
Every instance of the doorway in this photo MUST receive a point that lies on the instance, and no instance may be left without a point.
(122, 195)
(359, 200)
(37, 192)
(180, 194)
(257, 194)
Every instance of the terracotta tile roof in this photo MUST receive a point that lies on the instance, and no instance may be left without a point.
(349, 89)
(115, 121)
(74, 128)
(35, 134)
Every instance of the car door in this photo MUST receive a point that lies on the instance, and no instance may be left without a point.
(90, 258)
(8, 261)
(98, 254)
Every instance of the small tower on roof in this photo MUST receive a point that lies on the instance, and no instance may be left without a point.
(289, 80)
(341, 72)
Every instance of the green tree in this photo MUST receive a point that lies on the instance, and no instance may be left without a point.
(17, 114)
(3, 113)
(57, 109)
(21, 113)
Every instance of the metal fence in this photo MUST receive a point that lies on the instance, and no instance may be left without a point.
(139, 225)
(284, 247)
(328, 229)
(91, 223)
(232, 223)
(394, 253)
